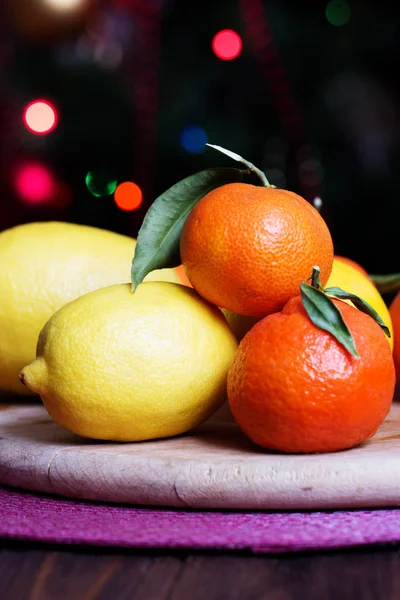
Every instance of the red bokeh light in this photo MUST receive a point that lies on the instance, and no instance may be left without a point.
(34, 183)
(40, 117)
(128, 196)
(227, 44)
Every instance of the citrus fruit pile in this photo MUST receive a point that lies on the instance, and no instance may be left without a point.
(247, 301)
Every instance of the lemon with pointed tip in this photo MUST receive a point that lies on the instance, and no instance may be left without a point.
(42, 267)
(114, 365)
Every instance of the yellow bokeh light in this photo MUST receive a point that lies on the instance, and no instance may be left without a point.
(64, 5)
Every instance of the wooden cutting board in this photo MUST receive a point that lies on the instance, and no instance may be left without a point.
(215, 466)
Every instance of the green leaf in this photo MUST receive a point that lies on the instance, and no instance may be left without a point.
(387, 283)
(158, 239)
(360, 304)
(326, 315)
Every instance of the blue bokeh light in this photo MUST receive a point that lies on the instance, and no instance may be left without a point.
(193, 139)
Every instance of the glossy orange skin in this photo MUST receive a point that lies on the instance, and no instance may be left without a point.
(352, 263)
(292, 387)
(395, 316)
(247, 248)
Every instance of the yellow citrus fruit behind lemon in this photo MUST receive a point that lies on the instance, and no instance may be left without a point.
(351, 279)
(42, 267)
(119, 366)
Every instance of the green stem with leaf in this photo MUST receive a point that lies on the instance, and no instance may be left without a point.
(324, 313)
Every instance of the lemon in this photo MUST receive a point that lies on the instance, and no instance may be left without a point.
(42, 267)
(114, 365)
(351, 279)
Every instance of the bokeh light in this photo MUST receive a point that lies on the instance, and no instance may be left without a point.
(193, 139)
(64, 5)
(34, 183)
(227, 44)
(40, 117)
(128, 196)
(317, 203)
(100, 183)
(338, 12)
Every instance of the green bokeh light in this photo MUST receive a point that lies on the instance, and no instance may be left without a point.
(100, 183)
(338, 12)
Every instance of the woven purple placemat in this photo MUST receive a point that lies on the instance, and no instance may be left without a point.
(25, 516)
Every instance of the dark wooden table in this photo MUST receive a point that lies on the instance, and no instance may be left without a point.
(33, 572)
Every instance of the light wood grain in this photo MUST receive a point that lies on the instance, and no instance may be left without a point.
(215, 466)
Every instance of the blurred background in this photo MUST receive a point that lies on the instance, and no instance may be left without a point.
(105, 104)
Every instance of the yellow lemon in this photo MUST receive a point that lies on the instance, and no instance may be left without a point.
(119, 366)
(353, 280)
(42, 267)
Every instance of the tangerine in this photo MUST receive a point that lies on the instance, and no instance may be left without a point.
(293, 387)
(247, 248)
(395, 315)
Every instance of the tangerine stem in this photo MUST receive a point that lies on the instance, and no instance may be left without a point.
(315, 282)
(258, 172)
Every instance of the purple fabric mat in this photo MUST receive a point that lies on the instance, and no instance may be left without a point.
(25, 516)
